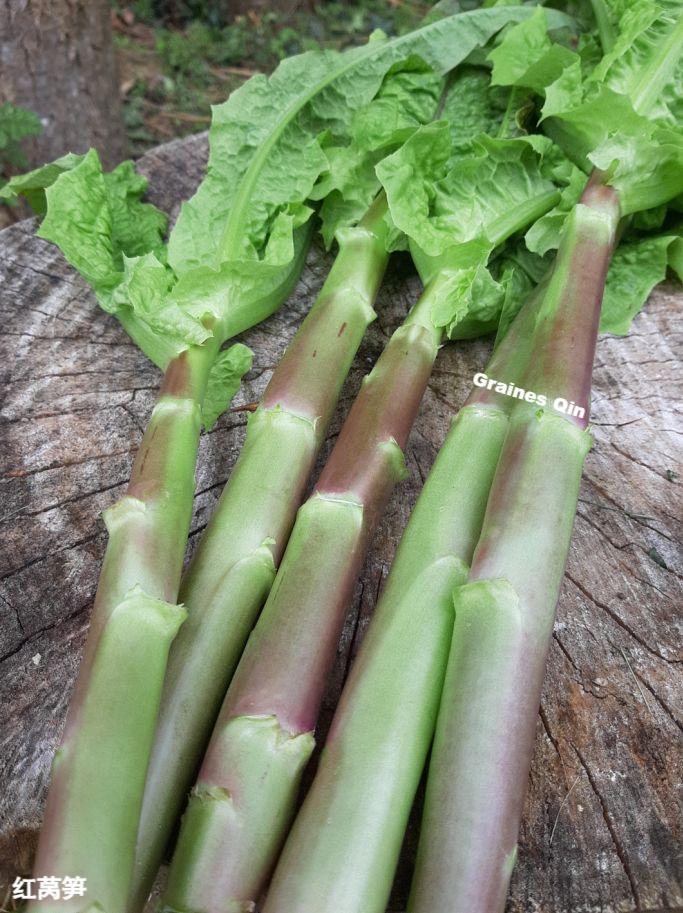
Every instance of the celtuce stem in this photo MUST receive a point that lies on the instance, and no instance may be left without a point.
(98, 775)
(234, 566)
(343, 847)
(243, 801)
(504, 614)
(356, 810)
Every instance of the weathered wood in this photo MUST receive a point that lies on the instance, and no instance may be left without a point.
(601, 823)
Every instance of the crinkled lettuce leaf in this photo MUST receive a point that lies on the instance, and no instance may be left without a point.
(473, 106)
(431, 196)
(33, 184)
(636, 267)
(518, 271)
(237, 246)
(224, 381)
(527, 56)
(624, 117)
(453, 230)
(116, 243)
(645, 61)
(545, 233)
(466, 302)
(267, 154)
(408, 97)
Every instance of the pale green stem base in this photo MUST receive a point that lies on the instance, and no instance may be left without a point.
(94, 801)
(342, 851)
(234, 567)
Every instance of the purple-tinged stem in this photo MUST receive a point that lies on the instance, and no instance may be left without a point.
(234, 566)
(244, 798)
(504, 614)
(98, 776)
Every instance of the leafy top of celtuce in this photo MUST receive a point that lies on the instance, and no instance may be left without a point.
(622, 115)
(237, 243)
(409, 97)
(456, 207)
(33, 184)
(619, 112)
(233, 239)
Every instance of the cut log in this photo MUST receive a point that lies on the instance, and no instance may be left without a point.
(601, 827)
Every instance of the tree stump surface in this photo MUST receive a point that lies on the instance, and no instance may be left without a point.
(602, 821)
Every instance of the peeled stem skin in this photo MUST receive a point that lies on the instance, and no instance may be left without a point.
(93, 804)
(504, 615)
(234, 567)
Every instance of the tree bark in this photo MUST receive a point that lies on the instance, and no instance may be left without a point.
(57, 58)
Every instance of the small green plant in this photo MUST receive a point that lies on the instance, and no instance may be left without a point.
(15, 125)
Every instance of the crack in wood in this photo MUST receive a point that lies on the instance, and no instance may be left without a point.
(618, 847)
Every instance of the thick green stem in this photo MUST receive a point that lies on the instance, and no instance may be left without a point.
(265, 732)
(93, 806)
(504, 614)
(234, 566)
(94, 801)
(342, 850)
(489, 706)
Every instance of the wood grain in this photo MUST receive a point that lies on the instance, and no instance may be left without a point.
(602, 821)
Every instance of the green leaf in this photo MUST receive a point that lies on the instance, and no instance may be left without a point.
(142, 303)
(239, 242)
(635, 269)
(675, 253)
(650, 219)
(224, 381)
(452, 231)
(466, 302)
(646, 168)
(33, 184)
(16, 124)
(79, 222)
(646, 60)
(517, 285)
(474, 106)
(408, 98)
(137, 227)
(430, 196)
(267, 155)
(114, 241)
(544, 234)
(527, 57)
(643, 160)
(620, 117)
